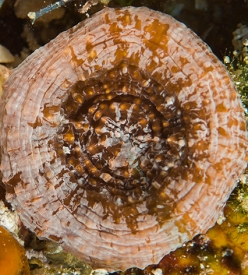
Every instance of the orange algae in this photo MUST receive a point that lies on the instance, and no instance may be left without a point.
(12, 255)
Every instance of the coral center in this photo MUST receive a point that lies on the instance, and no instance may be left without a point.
(121, 135)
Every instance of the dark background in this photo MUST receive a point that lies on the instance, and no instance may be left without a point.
(214, 23)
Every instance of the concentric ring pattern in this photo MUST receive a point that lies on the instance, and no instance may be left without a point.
(122, 138)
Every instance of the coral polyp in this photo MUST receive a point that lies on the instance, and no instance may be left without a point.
(122, 138)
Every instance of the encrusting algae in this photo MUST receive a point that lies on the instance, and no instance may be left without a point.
(13, 260)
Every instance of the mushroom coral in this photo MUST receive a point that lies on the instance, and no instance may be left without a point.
(122, 138)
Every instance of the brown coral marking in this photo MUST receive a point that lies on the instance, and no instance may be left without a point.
(122, 138)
